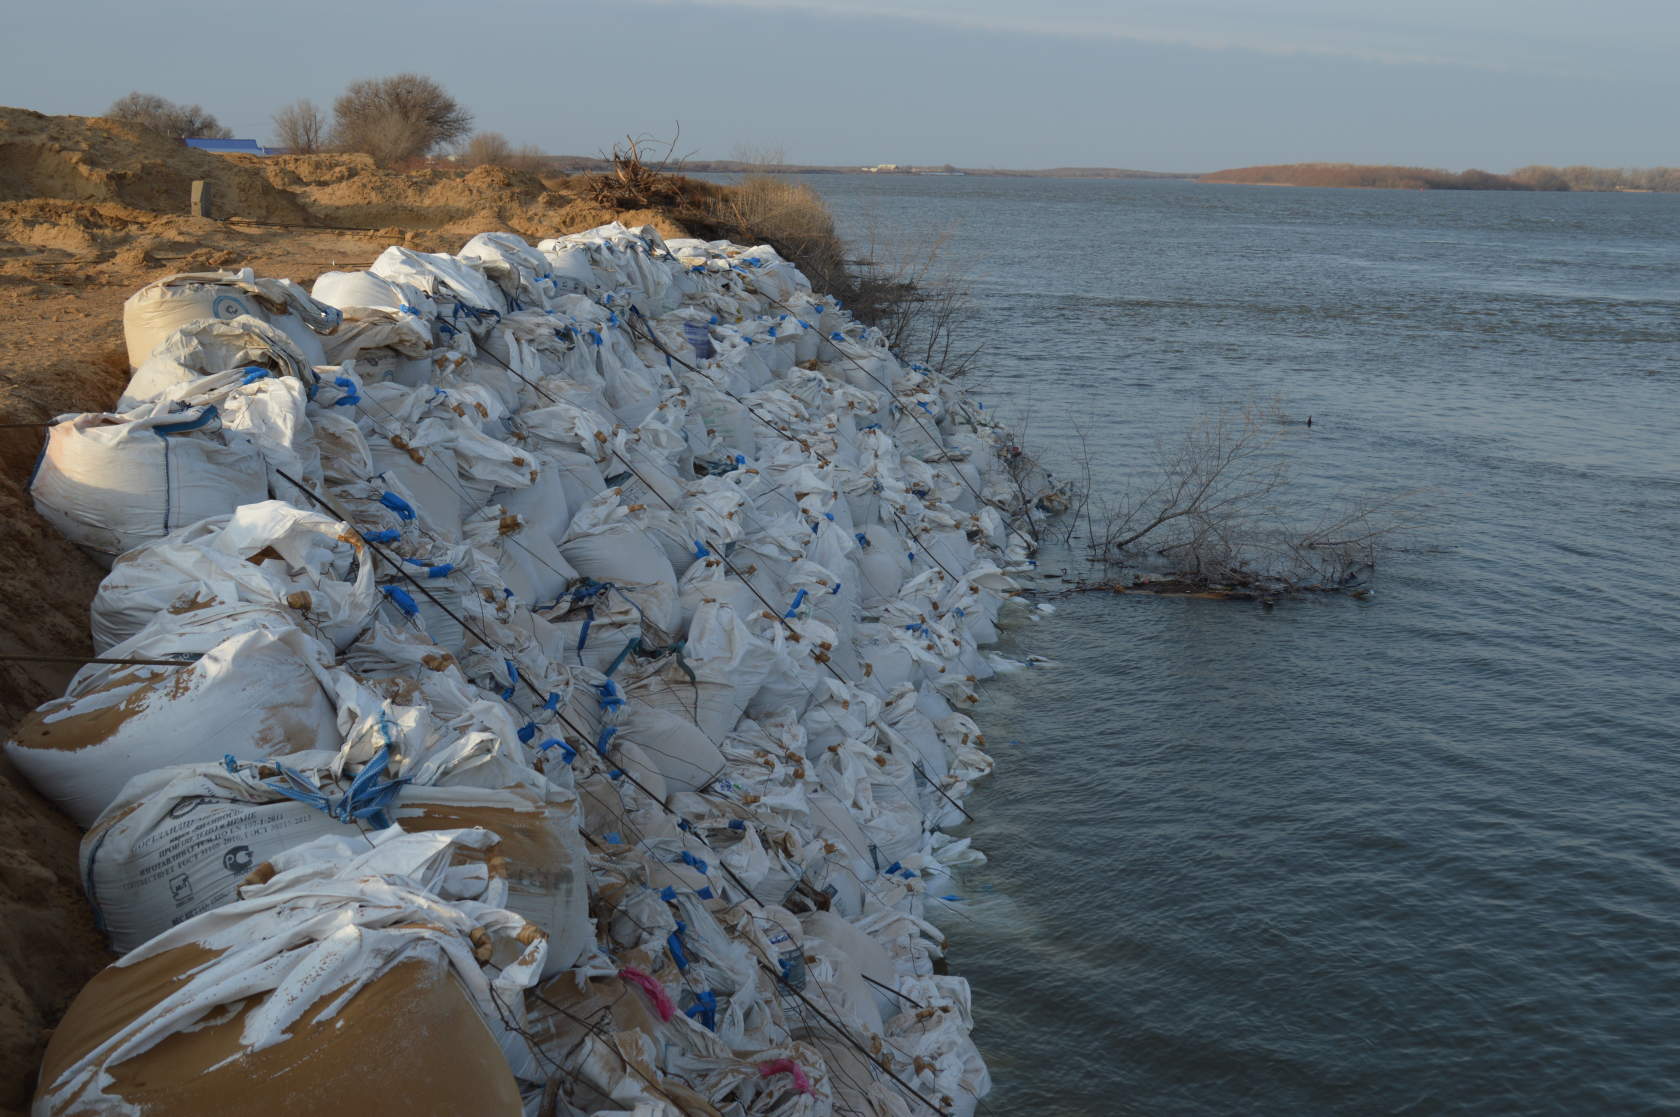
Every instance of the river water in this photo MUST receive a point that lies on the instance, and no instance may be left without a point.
(1416, 854)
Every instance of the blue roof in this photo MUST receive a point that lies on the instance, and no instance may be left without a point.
(243, 147)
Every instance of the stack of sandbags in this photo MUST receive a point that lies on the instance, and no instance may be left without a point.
(641, 563)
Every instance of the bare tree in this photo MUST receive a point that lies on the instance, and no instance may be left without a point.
(1224, 468)
(1220, 513)
(301, 127)
(151, 111)
(398, 118)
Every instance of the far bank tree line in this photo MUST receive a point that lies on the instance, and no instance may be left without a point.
(396, 120)
(1386, 177)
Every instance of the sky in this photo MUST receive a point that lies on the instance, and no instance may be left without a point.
(1190, 85)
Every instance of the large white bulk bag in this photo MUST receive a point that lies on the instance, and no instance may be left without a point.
(157, 309)
(580, 476)
(569, 268)
(389, 365)
(484, 464)
(719, 670)
(423, 463)
(528, 561)
(255, 694)
(539, 852)
(456, 584)
(369, 332)
(112, 482)
(178, 841)
(675, 533)
(591, 625)
(687, 758)
(771, 276)
(708, 580)
(207, 346)
(864, 953)
(465, 297)
(345, 289)
(274, 410)
(522, 272)
(887, 663)
(542, 504)
(270, 553)
(341, 973)
(601, 543)
(884, 563)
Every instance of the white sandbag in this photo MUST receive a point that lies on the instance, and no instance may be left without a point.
(178, 841)
(867, 957)
(458, 583)
(569, 268)
(539, 852)
(522, 272)
(364, 977)
(424, 464)
(274, 410)
(883, 563)
(687, 758)
(159, 308)
(387, 365)
(112, 482)
(207, 346)
(255, 694)
(368, 332)
(542, 504)
(346, 289)
(528, 561)
(591, 625)
(465, 298)
(601, 543)
(714, 678)
(580, 477)
(484, 464)
(270, 553)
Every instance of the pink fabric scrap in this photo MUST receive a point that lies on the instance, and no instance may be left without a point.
(787, 1066)
(655, 991)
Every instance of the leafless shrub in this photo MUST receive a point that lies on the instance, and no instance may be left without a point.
(301, 127)
(487, 149)
(790, 217)
(916, 300)
(1220, 512)
(397, 119)
(151, 111)
(492, 149)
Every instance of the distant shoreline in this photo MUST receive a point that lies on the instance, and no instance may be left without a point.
(1353, 176)
(1366, 176)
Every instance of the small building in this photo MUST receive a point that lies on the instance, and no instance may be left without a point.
(229, 147)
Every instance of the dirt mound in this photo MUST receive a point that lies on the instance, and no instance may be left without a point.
(87, 229)
(90, 159)
(86, 188)
(350, 192)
